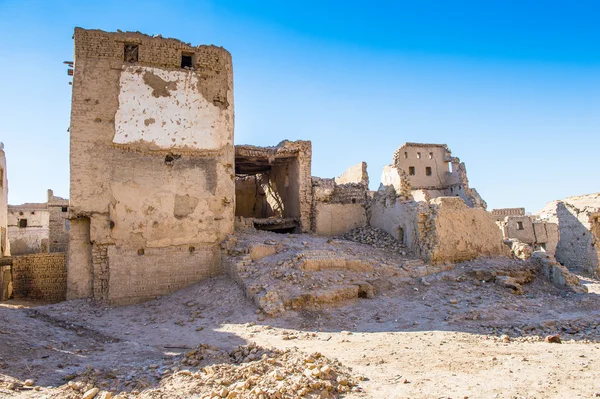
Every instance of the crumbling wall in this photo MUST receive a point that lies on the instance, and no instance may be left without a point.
(397, 216)
(453, 232)
(58, 236)
(40, 277)
(499, 214)
(340, 207)
(577, 245)
(355, 174)
(442, 230)
(546, 236)
(4, 244)
(28, 229)
(520, 228)
(151, 163)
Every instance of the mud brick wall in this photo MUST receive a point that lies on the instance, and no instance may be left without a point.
(338, 208)
(40, 277)
(151, 162)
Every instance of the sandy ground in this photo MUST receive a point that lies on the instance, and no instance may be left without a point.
(450, 336)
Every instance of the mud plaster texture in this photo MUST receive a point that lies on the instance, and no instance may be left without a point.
(152, 190)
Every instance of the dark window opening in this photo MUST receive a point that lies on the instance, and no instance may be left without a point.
(431, 155)
(64, 209)
(140, 251)
(131, 52)
(20, 213)
(354, 200)
(22, 222)
(411, 170)
(33, 213)
(519, 225)
(428, 170)
(186, 60)
(406, 155)
(418, 155)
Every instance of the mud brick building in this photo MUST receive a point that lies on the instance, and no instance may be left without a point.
(152, 165)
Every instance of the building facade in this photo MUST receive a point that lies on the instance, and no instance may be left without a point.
(152, 165)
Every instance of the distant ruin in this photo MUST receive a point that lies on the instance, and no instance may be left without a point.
(39, 227)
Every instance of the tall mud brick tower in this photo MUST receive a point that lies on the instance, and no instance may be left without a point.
(152, 175)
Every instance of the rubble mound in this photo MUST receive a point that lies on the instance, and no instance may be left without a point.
(252, 371)
(248, 371)
(375, 237)
(282, 273)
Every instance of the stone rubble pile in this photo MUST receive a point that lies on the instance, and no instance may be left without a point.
(375, 237)
(251, 371)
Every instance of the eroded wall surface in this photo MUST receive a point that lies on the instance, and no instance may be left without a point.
(454, 232)
(4, 244)
(152, 177)
(442, 230)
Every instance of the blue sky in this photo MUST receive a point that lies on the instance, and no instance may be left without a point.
(513, 87)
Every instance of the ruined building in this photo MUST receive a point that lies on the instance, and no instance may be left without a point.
(578, 220)
(425, 202)
(273, 186)
(341, 204)
(516, 225)
(39, 227)
(427, 171)
(152, 165)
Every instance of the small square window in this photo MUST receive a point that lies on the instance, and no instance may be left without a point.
(187, 60)
(520, 226)
(428, 170)
(64, 209)
(411, 170)
(131, 53)
(431, 155)
(22, 222)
